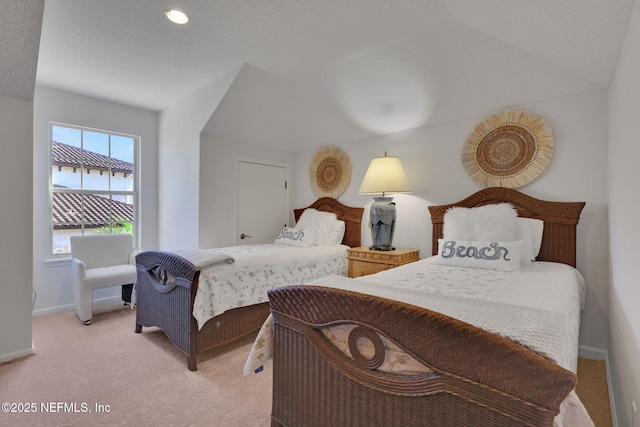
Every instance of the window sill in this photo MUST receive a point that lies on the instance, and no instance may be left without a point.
(57, 262)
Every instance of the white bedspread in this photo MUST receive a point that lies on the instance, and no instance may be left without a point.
(538, 307)
(239, 276)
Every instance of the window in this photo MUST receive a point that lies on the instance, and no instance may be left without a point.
(93, 184)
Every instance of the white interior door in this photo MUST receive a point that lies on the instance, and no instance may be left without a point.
(263, 201)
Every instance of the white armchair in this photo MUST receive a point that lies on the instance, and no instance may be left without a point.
(99, 261)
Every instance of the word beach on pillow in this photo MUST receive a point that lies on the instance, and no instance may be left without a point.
(296, 237)
(494, 223)
(491, 252)
(500, 256)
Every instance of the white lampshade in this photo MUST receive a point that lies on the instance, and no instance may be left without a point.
(385, 175)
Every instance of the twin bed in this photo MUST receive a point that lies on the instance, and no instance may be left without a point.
(167, 292)
(419, 344)
(363, 352)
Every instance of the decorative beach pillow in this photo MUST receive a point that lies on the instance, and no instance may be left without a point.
(296, 237)
(500, 256)
(489, 223)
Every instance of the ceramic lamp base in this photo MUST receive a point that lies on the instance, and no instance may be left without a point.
(383, 223)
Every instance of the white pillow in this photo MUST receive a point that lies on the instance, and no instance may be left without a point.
(325, 224)
(489, 223)
(337, 233)
(530, 232)
(500, 256)
(296, 237)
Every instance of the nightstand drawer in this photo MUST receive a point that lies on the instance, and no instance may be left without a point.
(364, 261)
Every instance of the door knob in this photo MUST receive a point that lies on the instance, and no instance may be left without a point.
(244, 236)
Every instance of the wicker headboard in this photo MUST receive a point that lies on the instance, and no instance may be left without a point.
(352, 218)
(560, 220)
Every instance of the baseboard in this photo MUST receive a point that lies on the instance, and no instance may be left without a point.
(67, 307)
(16, 355)
(595, 353)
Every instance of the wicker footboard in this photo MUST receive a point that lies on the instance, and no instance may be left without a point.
(476, 378)
(166, 288)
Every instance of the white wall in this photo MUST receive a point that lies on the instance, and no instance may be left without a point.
(52, 278)
(16, 130)
(431, 157)
(179, 162)
(218, 186)
(624, 295)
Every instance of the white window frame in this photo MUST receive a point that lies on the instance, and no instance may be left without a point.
(134, 194)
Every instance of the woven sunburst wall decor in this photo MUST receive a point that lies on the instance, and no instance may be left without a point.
(508, 149)
(330, 172)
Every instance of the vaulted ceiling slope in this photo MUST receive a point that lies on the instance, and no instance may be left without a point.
(323, 72)
(20, 24)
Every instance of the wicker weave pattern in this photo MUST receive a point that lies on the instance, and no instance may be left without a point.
(351, 216)
(172, 311)
(176, 323)
(479, 377)
(560, 220)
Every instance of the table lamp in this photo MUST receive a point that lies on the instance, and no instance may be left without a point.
(385, 175)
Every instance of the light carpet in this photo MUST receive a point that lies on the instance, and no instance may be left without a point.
(136, 379)
(107, 375)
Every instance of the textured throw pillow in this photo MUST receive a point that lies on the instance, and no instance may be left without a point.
(500, 256)
(530, 232)
(489, 223)
(323, 223)
(296, 237)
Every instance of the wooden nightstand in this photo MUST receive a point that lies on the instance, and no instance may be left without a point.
(363, 261)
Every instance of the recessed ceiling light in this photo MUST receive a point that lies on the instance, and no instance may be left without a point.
(177, 16)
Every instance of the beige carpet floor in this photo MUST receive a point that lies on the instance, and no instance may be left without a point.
(142, 378)
(592, 389)
(107, 375)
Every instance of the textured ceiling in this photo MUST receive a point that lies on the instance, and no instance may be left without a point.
(20, 23)
(324, 72)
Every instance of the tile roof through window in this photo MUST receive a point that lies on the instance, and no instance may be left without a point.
(99, 211)
(67, 155)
